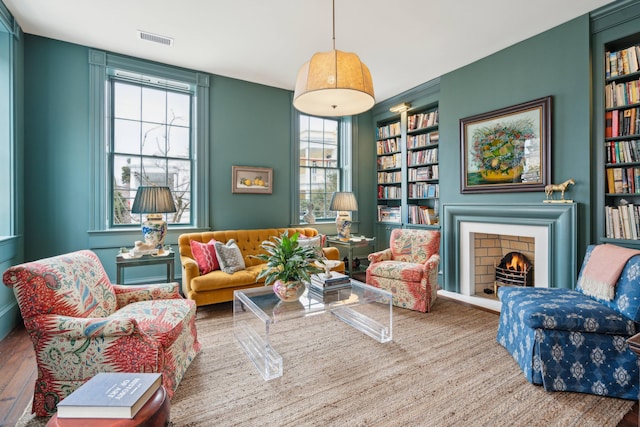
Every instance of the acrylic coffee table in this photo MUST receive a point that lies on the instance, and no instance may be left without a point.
(257, 311)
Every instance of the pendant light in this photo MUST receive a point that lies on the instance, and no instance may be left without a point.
(334, 83)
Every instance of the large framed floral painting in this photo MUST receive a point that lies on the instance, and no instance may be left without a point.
(507, 149)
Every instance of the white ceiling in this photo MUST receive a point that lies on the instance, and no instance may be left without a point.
(403, 42)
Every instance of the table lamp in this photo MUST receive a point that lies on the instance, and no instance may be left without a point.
(344, 202)
(154, 201)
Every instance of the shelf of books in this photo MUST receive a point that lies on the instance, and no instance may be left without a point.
(423, 188)
(389, 170)
(622, 142)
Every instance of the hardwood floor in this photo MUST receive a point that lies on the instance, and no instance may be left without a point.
(18, 374)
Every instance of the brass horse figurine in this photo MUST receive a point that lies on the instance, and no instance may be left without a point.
(549, 189)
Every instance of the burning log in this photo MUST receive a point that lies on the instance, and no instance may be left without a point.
(514, 269)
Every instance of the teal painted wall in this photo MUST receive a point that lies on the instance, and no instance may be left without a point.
(555, 63)
(11, 249)
(58, 164)
(250, 126)
(364, 182)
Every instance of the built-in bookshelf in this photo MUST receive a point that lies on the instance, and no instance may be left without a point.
(389, 170)
(407, 168)
(423, 188)
(622, 140)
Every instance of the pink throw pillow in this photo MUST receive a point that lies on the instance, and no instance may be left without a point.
(205, 256)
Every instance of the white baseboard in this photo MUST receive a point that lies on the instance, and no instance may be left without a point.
(489, 303)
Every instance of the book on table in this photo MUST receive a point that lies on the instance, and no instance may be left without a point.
(110, 395)
(335, 279)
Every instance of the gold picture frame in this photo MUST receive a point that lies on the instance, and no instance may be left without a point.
(251, 180)
(507, 150)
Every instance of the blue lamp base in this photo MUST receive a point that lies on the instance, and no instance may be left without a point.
(343, 225)
(154, 230)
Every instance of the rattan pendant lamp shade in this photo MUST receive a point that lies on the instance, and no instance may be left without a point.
(334, 84)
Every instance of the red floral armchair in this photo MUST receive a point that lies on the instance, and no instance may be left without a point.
(81, 324)
(408, 268)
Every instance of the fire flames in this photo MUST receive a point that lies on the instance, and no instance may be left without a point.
(517, 262)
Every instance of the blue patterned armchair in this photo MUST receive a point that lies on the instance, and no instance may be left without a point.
(568, 341)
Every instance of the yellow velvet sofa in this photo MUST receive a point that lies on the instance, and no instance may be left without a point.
(218, 286)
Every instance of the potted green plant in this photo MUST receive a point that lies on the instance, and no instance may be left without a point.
(289, 265)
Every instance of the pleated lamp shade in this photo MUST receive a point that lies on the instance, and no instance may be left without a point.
(154, 201)
(343, 201)
(334, 84)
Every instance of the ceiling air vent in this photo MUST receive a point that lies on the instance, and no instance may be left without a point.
(143, 35)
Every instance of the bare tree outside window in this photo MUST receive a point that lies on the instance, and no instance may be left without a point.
(150, 145)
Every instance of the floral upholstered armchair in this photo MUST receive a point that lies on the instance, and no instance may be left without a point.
(81, 324)
(408, 268)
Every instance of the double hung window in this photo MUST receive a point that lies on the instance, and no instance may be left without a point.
(150, 126)
(150, 144)
(320, 165)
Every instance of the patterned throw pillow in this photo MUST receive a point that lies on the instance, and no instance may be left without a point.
(313, 242)
(229, 256)
(205, 255)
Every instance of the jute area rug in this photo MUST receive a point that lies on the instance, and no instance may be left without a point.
(443, 368)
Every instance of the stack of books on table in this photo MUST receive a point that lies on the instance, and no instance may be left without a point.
(110, 395)
(331, 295)
(320, 283)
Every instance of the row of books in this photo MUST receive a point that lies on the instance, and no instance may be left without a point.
(423, 173)
(622, 122)
(389, 162)
(422, 120)
(621, 94)
(387, 131)
(627, 151)
(622, 62)
(388, 213)
(420, 190)
(416, 158)
(623, 180)
(422, 140)
(389, 177)
(422, 215)
(389, 192)
(386, 146)
(622, 222)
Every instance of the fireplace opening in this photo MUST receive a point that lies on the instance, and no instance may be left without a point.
(514, 269)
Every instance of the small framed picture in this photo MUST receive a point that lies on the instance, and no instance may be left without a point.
(250, 179)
